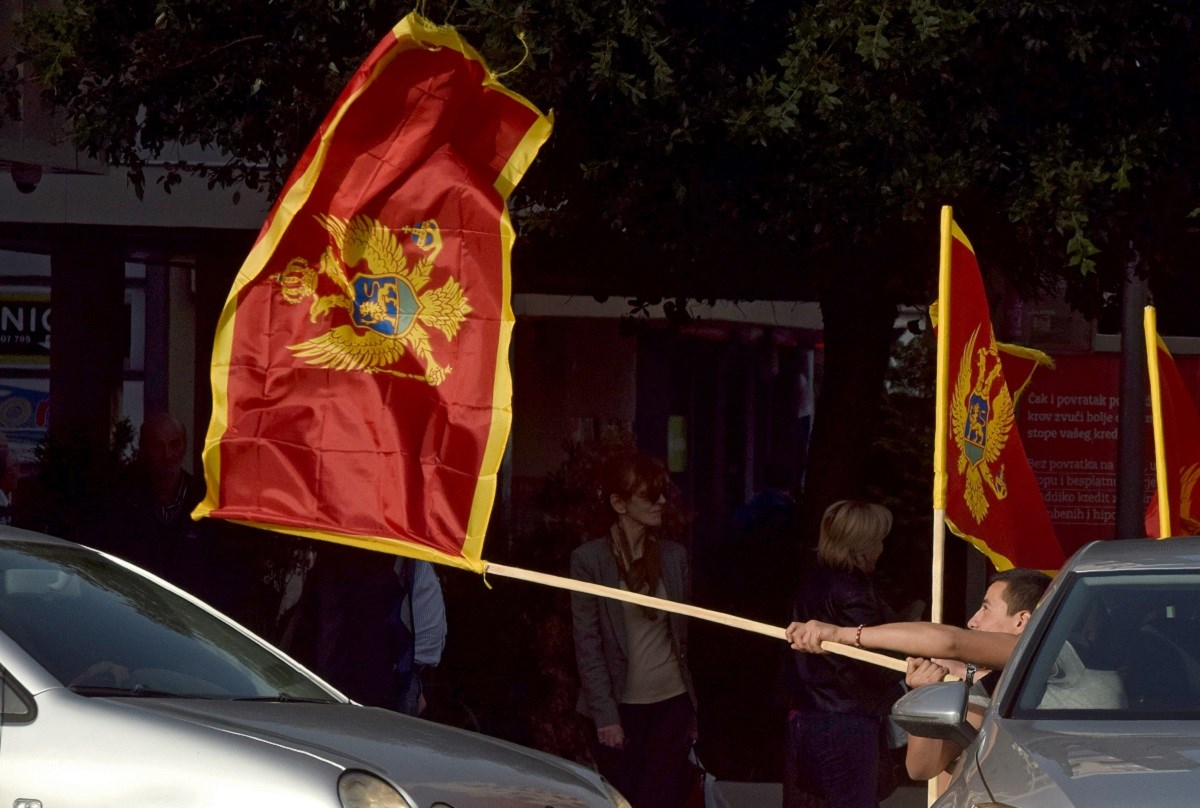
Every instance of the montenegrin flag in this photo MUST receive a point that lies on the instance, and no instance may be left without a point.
(361, 389)
(1176, 443)
(983, 480)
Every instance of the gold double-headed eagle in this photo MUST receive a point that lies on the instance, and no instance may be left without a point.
(981, 422)
(391, 305)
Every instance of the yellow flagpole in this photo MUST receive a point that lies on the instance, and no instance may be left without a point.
(937, 575)
(1150, 326)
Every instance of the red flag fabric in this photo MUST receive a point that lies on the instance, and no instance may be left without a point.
(361, 389)
(1181, 445)
(992, 497)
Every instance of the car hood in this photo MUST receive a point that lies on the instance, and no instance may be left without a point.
(1092, 763)
(429, 761)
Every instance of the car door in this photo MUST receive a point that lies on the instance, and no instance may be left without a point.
(17, 712)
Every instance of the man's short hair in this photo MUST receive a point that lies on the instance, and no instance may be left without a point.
(1024, 588)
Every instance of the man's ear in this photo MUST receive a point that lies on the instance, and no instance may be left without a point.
(1023, 617)
(617, 503)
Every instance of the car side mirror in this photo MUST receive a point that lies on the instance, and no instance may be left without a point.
(936, 711)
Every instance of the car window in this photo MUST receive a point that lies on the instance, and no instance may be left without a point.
(102, 629)
(1119, 646)
(15, 705)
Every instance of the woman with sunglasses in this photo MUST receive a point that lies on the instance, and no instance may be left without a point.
(633, 659)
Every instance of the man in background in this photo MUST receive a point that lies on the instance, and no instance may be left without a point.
(369, 624)
(149, 521)
(420, 618)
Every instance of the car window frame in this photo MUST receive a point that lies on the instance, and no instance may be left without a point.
(1030, 649)
(1013, 677)
(9, 683)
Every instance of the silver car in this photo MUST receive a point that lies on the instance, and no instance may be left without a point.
(119, 689)
(1100, 702)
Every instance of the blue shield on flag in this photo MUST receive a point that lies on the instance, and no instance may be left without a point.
(384, 303)
(975, 431)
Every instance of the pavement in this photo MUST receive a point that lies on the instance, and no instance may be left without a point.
(770, 795)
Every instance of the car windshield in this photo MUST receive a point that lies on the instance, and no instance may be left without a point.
(103, 630)
(1120, 646)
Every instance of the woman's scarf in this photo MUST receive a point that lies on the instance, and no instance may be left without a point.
(643, 573)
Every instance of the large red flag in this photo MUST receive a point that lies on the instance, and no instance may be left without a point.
(361, 389)
(1180, 447)
(991, 497)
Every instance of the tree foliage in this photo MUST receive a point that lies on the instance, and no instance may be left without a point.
(247, 80)
(757, 132)
(733, 148)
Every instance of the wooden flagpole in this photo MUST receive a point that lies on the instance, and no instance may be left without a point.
(686, 609)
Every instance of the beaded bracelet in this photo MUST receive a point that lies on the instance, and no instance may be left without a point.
(858, 637)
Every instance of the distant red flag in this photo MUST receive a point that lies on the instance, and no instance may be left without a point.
(361, 389)
(1180, 451)
(991, 497)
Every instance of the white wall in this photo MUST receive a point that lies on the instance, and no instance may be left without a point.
(108, 199)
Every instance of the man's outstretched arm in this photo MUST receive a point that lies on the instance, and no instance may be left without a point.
(987, 649)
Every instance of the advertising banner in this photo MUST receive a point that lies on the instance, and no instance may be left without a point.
(25, 327)
(1069, 420)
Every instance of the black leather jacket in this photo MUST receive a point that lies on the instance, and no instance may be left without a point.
(831, 682)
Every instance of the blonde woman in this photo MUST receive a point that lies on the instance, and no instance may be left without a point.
(838, 705)
(632, 660)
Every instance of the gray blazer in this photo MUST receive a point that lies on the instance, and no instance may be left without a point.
(601, 647)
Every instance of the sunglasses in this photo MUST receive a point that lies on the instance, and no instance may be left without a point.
(651, 493)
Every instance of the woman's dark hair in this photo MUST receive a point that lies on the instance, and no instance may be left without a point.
(625, 476)
(631, 472)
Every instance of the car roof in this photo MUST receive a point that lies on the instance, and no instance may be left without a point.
(1180, 553)
(9, 533)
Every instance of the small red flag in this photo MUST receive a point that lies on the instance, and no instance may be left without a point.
(361, 389)
(1181, 447)
(992, 497)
